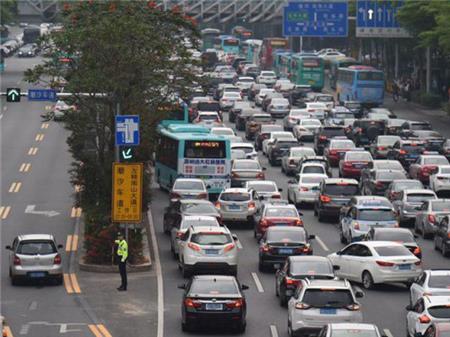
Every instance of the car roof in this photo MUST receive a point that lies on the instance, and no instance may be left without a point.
(26, 237)
(340, 180)
(356, 326)
(423, 190)
(208, 229)
(235, 190)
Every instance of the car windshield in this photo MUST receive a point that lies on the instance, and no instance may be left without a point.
(211, 239)
(208, 117)
(36, 247)
(213, 287)
(407, 184)
(439, 281)
(342, 144)
(311, 268)
(390, 175)
(363, 156)
(188, 185)
(392, 251)
(263, 187)
(376, 215)
(286, 236)
(341, 189)
(420, 126)
(332, 132)
(302, 152)
(186, 223)
(199, 208)
(399, 236)
(328, 298)
(440, 311)
(313, 169)
(354, 332)
(234, 196)
(419, 197)
(435, 161)
(247, 165)
(274, 212)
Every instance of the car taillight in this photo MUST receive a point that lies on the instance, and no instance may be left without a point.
(305, 249)
(57, 259)
(333, 152)
(276, 196)
(228, 247)
(251, 205)
(424, 319)
(264, 223)
(325, 198)
(180, 234)
(353, 307)
(260, 175)
(381, 148)
(291, 281)
(356, 226)
(416, 251)
(348, 164)
(217, 205)
(191, 303)
(402, 152)
(194, 247)
(235, 303)
(302, 306)
(431, 218)
(234, 175)
(202, 196)
(385, 264)
(323, 137)
(303, 189)
(298, 222)
(17, 261)
(448, 235)
(379, 184)
(265, 248)
(174, 195)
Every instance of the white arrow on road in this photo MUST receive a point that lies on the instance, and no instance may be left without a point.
(370, 11)
(30, 209)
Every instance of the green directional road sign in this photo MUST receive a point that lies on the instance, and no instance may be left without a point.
(126, 154)
(13, 95)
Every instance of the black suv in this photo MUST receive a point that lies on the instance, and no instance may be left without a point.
(333, 194)
(237, 108)
(442, 237)
(355, 107)
(242, 118)
(297, 95)
(406, 151)
(323, 136)
(279, 149)
(365, 131)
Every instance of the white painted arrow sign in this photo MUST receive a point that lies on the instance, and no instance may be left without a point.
(30, 209)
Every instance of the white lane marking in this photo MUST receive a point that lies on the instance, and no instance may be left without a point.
(1, 116)
(321, 243)
(5, 108)
(388, 333)
(239, 244)
(160, 330)
(274, 331)
(257, 282)
(33, 306)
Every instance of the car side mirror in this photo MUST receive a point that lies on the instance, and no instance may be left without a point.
(418, 334)
(181, 286)
(336, 267)
(300, 213)
(244, 287)
(264, 168)
(60, 246)
(260, 198)
(234, 236)
(208, 187)
(409, 307)
(311, 237)
(8, 248)
(280, 190)
(416, 236)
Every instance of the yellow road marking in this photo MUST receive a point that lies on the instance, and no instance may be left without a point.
(69, 243)
(75, 212)
(44, 126)
(32, 151)
(67, 284)
(8, 331)
(76, 287)
(94, 330)
(105, 331)
(15, 187)
(25, 167)
(4, 211)
(75, 243)
(39, 137)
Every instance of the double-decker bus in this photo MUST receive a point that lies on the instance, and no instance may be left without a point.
(269, 46)
(340, 62)
(241, 33)
(173, 113)
(307, 70)
(364, 84)
(227, 43)
(208, 37)
(250, 50)
(191, 151)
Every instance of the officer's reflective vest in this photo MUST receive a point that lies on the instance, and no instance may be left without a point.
(122, 251)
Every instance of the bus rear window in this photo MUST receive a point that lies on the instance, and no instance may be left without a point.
(231, 42)
(370, 76)
(204, 149)
(311, 63)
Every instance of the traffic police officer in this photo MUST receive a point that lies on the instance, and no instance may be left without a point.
(122, 252)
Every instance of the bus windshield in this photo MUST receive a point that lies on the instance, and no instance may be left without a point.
(370, 76)
(204, 149)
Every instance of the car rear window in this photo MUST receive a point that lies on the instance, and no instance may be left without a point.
(324, 99)
(188, 185)
(199, 208)
(211, 239)
(416, 148)
(392, 251)
(286, 236)
(436, 161)
(235, 196)
(36, 247)
(208, 106)
(263, 187)
(281, 212)
(358, 156)
(390, 175)
(311, 268)
(376, 215)
(341, 189)
(408, 184)
(208, 117)
(248, 165)
(419, 197)
(262, 119)
(332, 132)
(440, 206)
(186, 223)
(213, 287)
(270, 128)
(394, 236)
(420, 126)
(440, 311)
(312, 180)
(327, 298)
(246, 149)
(439, 281)
(313, 169)
(342, 144)
(354, 332)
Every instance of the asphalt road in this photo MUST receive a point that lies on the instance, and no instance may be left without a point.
(383, 306)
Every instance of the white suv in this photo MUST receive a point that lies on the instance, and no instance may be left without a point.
(236, 204)
(427, 310)
(208, 249)
(320, 302)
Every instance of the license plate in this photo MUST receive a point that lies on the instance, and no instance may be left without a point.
(358, 166)
(328, 311)
(211, 251)
(413, 156)
(404, 267)
(341, 155)
(285, 251)
(214, 306)
(234, 207)
(37, 274)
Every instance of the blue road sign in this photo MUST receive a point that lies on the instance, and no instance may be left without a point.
(316, 19)
(127, 130)
(42, 95)
(379, 19)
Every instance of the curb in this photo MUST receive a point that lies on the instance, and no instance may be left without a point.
(96, 268)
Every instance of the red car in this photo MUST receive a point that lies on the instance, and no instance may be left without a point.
(336, 149)
(425, 166)
(276, 215)
(353, 163)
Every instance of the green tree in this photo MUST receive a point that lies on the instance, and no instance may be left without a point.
(8, 11)
(134, 55)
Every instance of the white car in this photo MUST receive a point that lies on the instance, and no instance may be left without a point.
(440, 181)
(427, 310)
(372, 262)
(294, 116)
(317, 109)
(350, 330)
(223, 131)
(244, 83)
(248, 148)
(327, 99)
(267, 77)
(306, 129)
(276, 135)
(278, 107)
(264, 189)
(60, 108)
(236, 204)
(259, 98)
(208, 249)
(432, 282)
(305, 188)
(208, 119)
(290, 161)
(177, 232)
(228, 98)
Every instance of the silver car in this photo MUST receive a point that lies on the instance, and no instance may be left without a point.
(236, 204)
(430, 215)
(305, 189)
(289, 162)
(244, 170)
(320, 302)
(306, 129)
(410, 202)
(295, 115)
(278, 107)
(188, 188)
(35, 257)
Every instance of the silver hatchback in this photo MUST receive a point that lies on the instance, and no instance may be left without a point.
(35, 257)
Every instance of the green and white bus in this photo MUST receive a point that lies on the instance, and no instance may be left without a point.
(307, 70)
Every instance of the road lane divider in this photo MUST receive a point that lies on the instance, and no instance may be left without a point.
(76, 286)
(72, 243)
(69, 243)
(273, 330)
(4, 212)
(32, 151)
(39, 137)
(76, 212)
(68, 284)
(71, 284)
(322, 244)
(44, 125)
(95, 330)
(258, 283)
(25, 167)
(103, 330)
(15, 187)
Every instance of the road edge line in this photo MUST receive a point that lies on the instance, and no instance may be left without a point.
(258, 283)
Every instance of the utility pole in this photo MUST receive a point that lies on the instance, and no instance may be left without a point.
(428, 70)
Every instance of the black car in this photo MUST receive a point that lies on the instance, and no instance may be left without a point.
(254, 90)
(433, 140)
(323, 136)
(242, 118)
(253, 72)
(333, 194)
(365, 131)
(236, 109)
(442, 237)
(394, 126)
(406, 151)
(377, 182)
(212, 300)
(264, 133)
(355, 107)
(28, 50)
(279, 148)
(298, 94)
(174, 213)
(401, 235)
(253, 124)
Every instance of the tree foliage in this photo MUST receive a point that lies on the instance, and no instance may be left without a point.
(8, 11)
(134, 54)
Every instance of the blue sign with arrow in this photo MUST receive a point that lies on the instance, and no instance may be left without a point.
(312, 18)
(127, 130)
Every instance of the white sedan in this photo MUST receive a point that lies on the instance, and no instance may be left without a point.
(305, 188)
(306, 128)
(372, 262)
(440, 181)
(275, 135)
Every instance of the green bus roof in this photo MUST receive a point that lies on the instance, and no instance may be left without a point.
(190, 132)
(183, 128)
